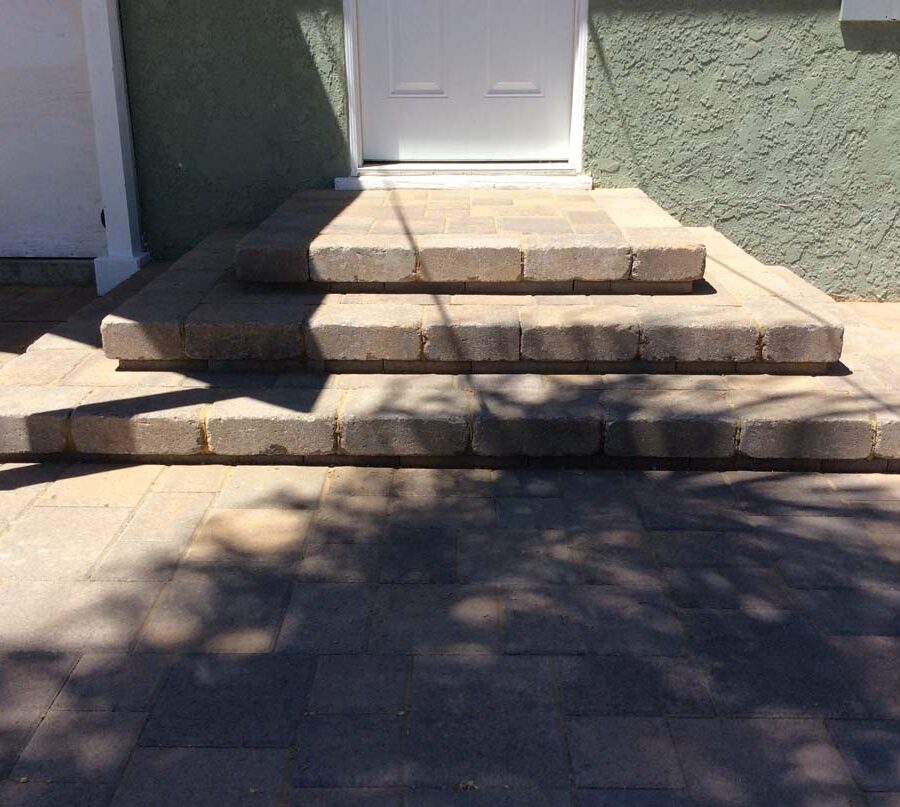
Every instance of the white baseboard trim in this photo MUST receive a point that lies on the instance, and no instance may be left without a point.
(111, 270)
(870, 11)
(474, 180)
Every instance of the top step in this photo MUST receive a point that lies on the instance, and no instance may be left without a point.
(521, 240)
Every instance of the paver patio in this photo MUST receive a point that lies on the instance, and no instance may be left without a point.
(273, 635)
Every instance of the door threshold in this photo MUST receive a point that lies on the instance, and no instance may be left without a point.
(385, 176)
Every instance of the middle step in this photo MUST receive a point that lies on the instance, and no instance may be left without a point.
(492, 333)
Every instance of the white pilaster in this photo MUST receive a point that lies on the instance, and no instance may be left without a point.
(115, 150)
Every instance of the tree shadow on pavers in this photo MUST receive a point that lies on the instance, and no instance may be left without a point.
(509, 646)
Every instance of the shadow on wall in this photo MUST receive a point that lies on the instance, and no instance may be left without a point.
(235, 106)
(757, 118)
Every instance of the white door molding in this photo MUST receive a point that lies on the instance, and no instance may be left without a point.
(115, 149)
(579, 86)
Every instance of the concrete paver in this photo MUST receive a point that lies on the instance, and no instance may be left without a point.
(545, 637)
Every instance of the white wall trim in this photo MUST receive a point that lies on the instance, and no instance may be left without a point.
(579, 84)
(351, 60)
(354, 100)
(870, 10)
(115, 150)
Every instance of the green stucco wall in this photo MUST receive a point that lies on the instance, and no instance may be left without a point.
(755, 116)
(235, 104)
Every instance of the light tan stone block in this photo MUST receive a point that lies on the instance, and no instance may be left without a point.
(274, 422)
(34, 420)
(272, 486)
(144, 422)
(471, 333)
(535, 423)
(688, 332)
(795, 331)
(245, 331)
(250, 536)
(803, 424)
(362, 259)
(148, 326)
(600, 257)
(670, 424)
(485, 258)
(192, 478)
(59, 616)
(887, 414)
(273, 257)
(364, 333)
(40, 367)
(102, 486)
(579, 333)
(662, 254)
(404, 422)
(98, 371)
(58, 543)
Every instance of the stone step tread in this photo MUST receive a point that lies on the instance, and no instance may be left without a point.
(469, 236)
(400, 327)
(345, 418)
(743, 312)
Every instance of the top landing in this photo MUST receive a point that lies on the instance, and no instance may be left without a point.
(614, 240)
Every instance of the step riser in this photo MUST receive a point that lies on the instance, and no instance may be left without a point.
(312, 367)
(431, 422)
(666, 257)
(475, 334)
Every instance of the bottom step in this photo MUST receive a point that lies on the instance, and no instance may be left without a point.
(459, 420)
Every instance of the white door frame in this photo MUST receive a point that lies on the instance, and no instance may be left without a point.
(576, 140)
(115, 149)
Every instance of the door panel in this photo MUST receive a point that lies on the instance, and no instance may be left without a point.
(415, 47)
(461, 80)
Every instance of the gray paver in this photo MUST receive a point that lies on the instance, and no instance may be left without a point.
(230, 701)
(106, 739)
(349, 751)
(736, 762)
(203, 777)
(623, 752)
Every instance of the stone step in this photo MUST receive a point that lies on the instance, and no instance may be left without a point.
(518, 239)
(728, 421)
(747, 318)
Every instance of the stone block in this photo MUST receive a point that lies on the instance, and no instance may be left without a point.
(536, 423)
(274, 422)
(261, 331)
(393, 421)
(887, 440)
(678, 423)
(147, 327)
(269, 257)
(665, 254)
(34, 420)
(579, 333)
(40, 367)
(486, 258)
(815, 424)
(470, 333)
(794, 331)
(599, 257)
(691, 332)
(362, 259)
(147, 421)
(364, 332)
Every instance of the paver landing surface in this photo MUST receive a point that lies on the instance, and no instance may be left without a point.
(311, 636)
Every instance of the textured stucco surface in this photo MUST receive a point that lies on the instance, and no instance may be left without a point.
(751, 115)
(756, 118)
(235, 105)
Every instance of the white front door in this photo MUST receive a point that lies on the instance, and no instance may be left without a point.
(466, 80)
